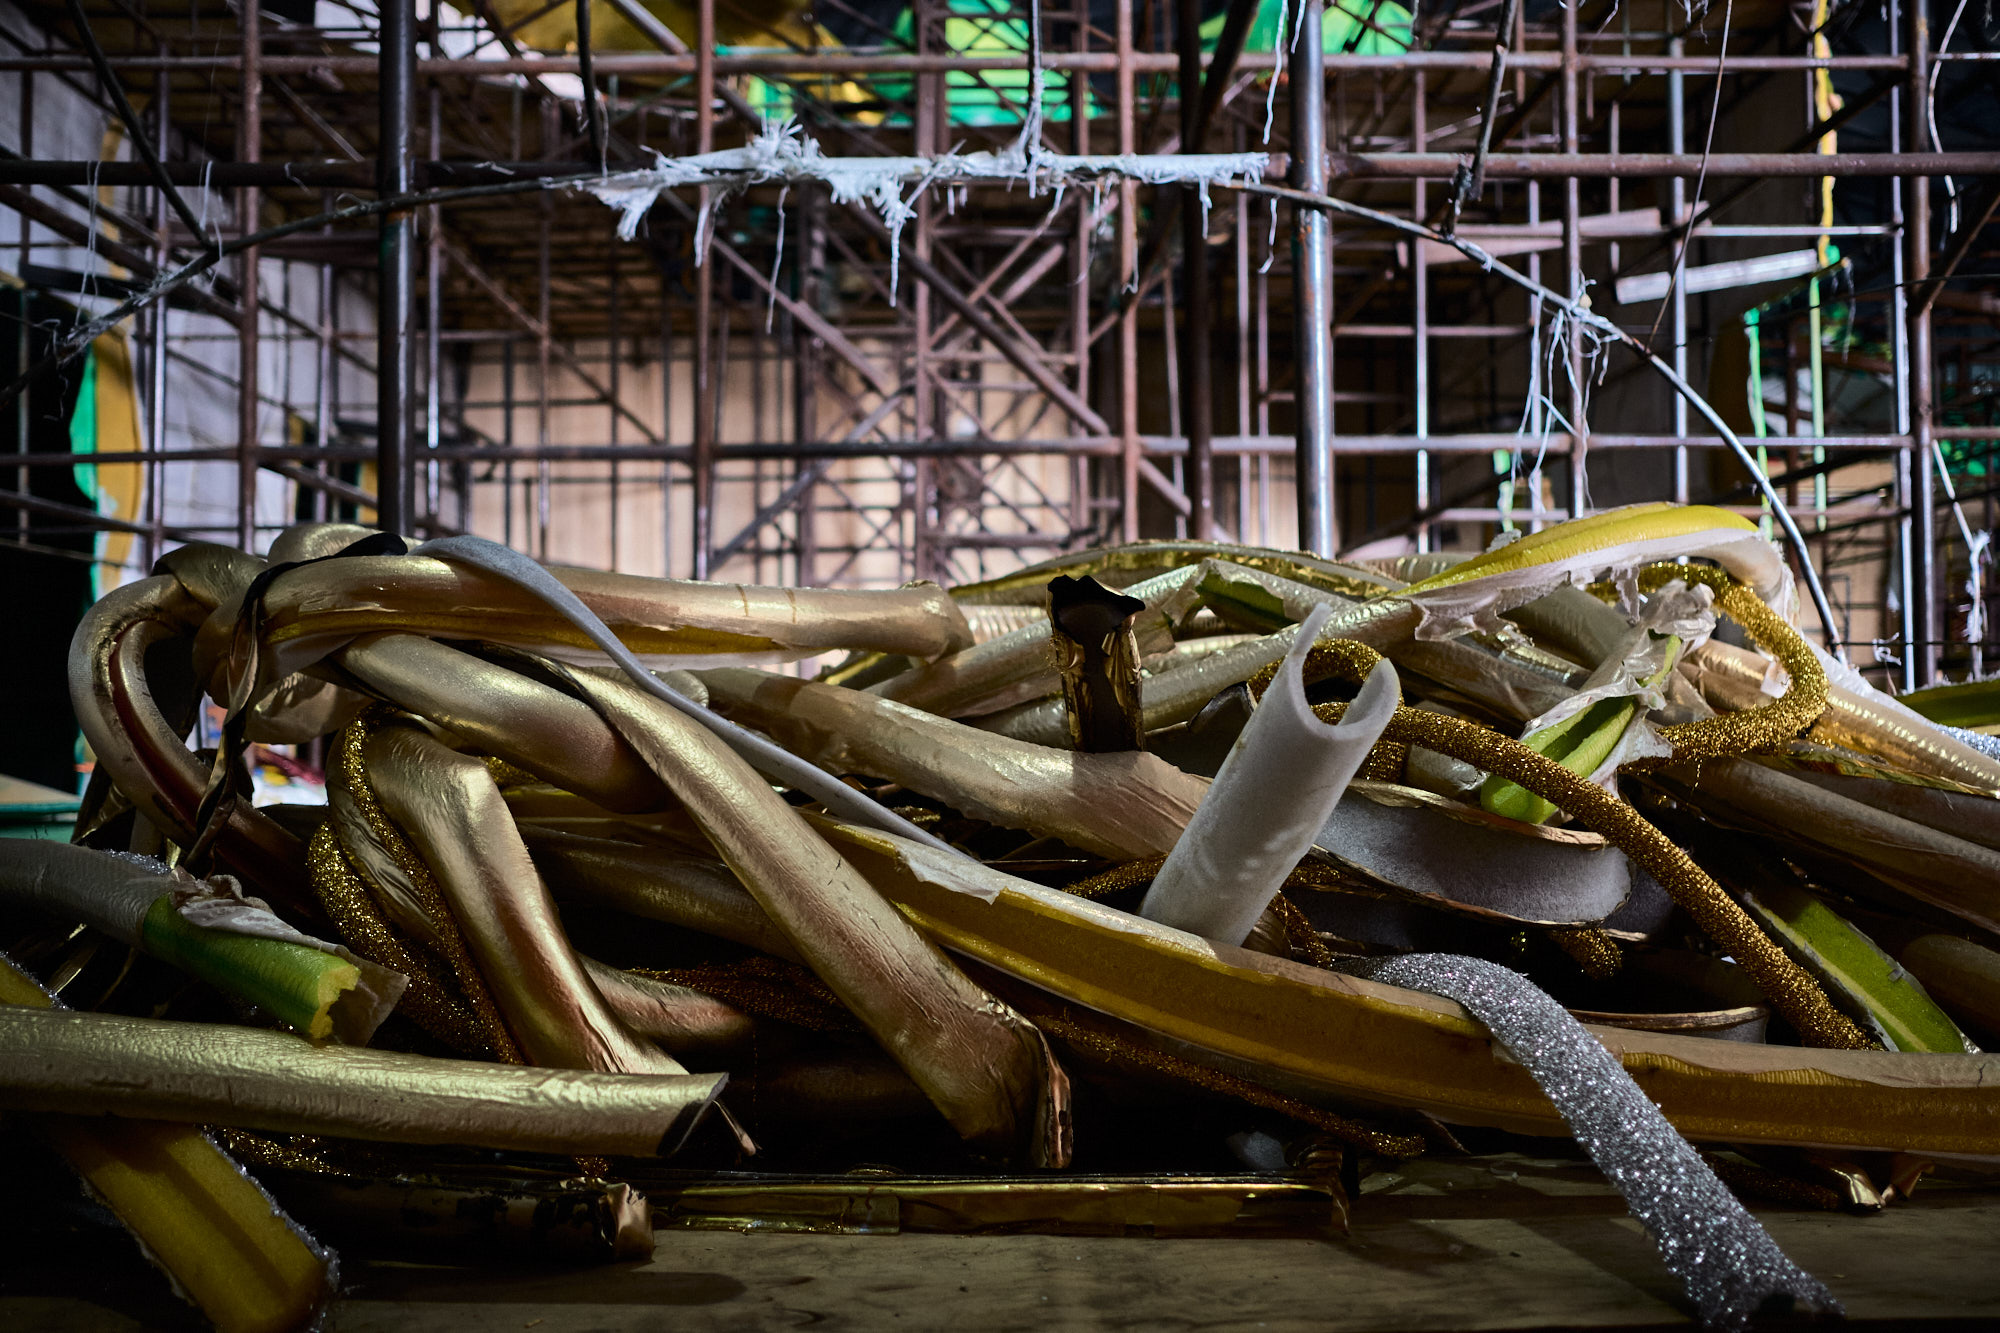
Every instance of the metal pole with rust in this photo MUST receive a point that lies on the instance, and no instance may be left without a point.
(1928, 625)
(1197, 357)
(705, 393)
(249, 136)
(396, 278)
(1312, 293)
(1128, 275)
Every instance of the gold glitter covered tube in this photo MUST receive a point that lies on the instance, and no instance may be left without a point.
(205, 1073)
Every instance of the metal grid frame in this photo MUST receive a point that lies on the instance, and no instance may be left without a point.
(1048, 377)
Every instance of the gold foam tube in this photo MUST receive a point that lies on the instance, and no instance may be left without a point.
(450, 809)
(984, 1067)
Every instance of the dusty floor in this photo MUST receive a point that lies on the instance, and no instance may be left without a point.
(1476, 1243)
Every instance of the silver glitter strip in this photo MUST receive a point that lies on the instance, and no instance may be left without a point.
(1732, 1268)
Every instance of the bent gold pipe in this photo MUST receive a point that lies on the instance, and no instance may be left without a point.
(1733, 678)
(985, 1068)
(671, 620)
(146, 759)
(501, 712)
(1123, 805)
(450, 809)
(682, 1020)
(694, 892)
(1335, 1036)
(211, 1073)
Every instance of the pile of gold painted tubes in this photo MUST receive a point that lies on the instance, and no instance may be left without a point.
(1076, 874)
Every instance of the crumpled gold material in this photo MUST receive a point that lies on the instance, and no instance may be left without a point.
(986, 1069)
(450, 809)
(1123, 806)
(1313, 1033)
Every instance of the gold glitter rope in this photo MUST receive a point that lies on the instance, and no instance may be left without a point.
(1792, 992)
(346, 766)
(1590, 949)
(428, 1001)
(766, 987)
(1131, 875)
(1767, 727)
(1122, 1051)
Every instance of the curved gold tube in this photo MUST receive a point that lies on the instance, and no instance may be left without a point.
(1324, 1034)
(316, 541)
(210, 1073)
(1733, 678)
(449, 807)
(1117, 566)
(501, 712)
(674, 621)
(146, 758)
(985, 1068)
(1123, 805)
(210, 573)
(682, 1020)
(651, 882)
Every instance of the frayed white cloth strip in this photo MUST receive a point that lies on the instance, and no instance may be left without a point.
(1732, 1268)
(780, 154)
(1269, 802)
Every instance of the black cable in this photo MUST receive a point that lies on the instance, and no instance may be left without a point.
(73, 346)
(140, 143)
(593, 112)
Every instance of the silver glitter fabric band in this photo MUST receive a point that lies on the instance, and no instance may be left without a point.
(1978, 740)
(1732, 1268)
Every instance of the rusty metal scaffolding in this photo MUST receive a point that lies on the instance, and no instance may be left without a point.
(1043, 373)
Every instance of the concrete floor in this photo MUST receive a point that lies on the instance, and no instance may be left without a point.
(1470, 1244)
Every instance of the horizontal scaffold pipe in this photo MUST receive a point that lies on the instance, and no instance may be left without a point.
(1105, 445)
(1340, 166)
(634, 64)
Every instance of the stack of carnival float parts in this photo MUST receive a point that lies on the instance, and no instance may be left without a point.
(1162, 886)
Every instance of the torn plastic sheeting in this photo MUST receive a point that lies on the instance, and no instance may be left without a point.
(1636, 670)
(1281, 780)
